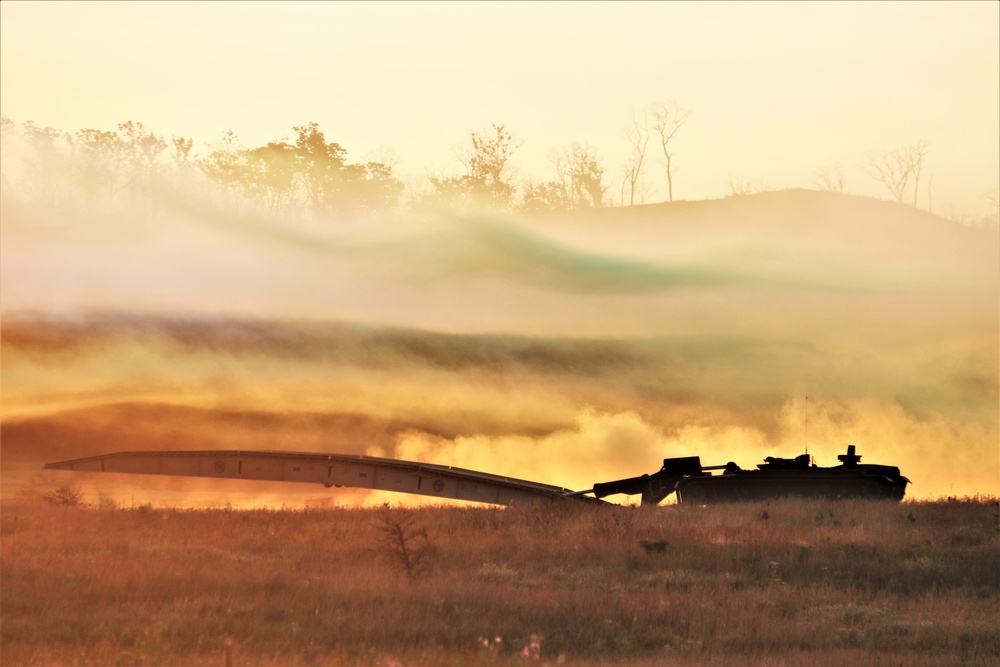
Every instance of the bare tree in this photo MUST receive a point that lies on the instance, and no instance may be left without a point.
(992, 219)
(580, 176)
(917, 152)
(633, 170)
(831, 178)
(738, 186)
(387, 156)
(891, 169)
(930, 200)
(993, 197)
(894, 168)
(403, 542)
(668, 118)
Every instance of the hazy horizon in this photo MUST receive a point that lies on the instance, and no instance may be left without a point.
(576, 350)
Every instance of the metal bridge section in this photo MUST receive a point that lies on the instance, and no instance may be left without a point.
(344, 470)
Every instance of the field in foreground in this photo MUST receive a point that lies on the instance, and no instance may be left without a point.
(779, 583)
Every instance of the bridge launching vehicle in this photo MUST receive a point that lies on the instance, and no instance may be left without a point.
(775, 478)
(684, 476)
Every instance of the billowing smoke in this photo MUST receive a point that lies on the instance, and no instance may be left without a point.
(570, 349)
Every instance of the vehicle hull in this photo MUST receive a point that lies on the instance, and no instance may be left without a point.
(809, 483)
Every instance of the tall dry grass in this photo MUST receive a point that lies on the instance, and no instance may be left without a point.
(779, 583)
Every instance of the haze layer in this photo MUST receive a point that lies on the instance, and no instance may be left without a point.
(568, 348)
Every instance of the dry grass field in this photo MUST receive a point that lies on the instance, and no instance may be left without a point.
(781, 583)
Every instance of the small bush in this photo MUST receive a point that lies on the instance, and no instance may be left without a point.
(402, 542)
(65, 496)
(654, 546)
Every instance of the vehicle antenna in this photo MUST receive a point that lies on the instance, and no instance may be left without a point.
(807, 424)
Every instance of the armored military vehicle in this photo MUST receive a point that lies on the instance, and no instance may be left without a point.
(775, 478)
(685, 476)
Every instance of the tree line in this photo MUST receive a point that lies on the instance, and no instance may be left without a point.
(306, 174)
(122, 169)
(301, 174)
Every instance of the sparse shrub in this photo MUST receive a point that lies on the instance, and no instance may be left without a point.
(65, 496)
(402, 541)
(106, 502)
(654, 546)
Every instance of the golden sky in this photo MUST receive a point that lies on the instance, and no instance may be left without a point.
(777, 90)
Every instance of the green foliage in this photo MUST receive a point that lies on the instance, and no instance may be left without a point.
(224, 164)
(130, 169)
(488, 165)
(540, 197)
(182, 150)
(319, 166)
(308, 175)
(270, 176)
(488, 178)
(579, 184)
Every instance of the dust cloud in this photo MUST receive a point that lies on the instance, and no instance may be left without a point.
(570, 348)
